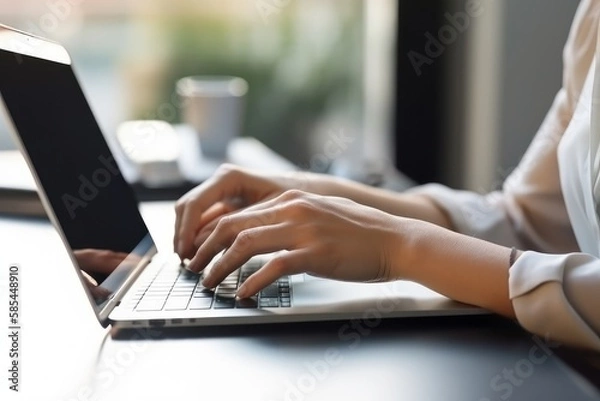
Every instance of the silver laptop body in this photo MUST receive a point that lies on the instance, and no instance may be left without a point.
(128, 283)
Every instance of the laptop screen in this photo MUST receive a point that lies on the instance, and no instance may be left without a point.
(94, 206)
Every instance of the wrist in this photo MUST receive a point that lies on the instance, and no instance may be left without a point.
(402, 249)
(303, 181)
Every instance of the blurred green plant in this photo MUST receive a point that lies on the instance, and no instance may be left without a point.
(299, 73)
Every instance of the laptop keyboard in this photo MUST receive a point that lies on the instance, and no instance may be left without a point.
(178, 290)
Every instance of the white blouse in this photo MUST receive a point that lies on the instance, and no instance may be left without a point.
(550, 204)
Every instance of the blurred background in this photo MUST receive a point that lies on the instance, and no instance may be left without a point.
(318, 69)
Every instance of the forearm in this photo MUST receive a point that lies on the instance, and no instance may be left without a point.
(413, 206)
(463, 268)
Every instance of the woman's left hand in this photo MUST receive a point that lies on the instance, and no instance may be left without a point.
(323, 236)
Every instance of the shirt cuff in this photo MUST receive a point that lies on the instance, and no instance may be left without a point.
(540, 303)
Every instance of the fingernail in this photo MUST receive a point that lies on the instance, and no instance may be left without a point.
(207, 282)
(191, 268)
(242, 292)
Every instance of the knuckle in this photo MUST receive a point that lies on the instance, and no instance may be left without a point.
(292, 194)
(228, 170)
(279, 265)
(244, 239)
(224, 223)
(180, 205)
(227, 227)
(300, 207)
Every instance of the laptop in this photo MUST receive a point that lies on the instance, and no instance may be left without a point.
(128, 282)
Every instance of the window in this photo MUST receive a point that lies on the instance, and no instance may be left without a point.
(303, 60)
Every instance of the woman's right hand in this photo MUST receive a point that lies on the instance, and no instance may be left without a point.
(230, 189)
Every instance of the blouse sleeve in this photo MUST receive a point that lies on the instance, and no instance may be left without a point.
(529, 212)
(552, 286)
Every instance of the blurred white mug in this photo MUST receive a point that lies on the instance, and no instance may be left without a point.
(214, 107)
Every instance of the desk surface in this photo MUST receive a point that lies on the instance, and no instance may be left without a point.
(66, 355)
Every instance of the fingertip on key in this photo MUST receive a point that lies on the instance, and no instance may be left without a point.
(242, 292)
(208, 281)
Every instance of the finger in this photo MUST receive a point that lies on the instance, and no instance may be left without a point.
(225, 232)
(219, 209)
(284, 264)
(193, 205)
(250, 242)
(208, 228)
(178, 215)
(204, 233)
(228, 188)
(268, 208)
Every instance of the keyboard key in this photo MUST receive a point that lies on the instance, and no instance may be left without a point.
(209, 295)
(185, 283)
(247, 303)
(158, 288)
(252, 266)
(151, 304)
(188, 275)
(185, 290)
(176, 303)
(224, 302)
(226, 291)
(270, 291)
(200, 303)
(268, 302)
(152, 294)
(168, 281)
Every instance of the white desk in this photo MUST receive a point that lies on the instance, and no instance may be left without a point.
(64, 356)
